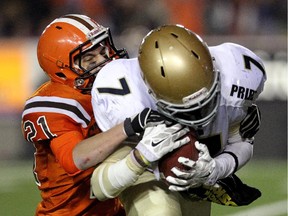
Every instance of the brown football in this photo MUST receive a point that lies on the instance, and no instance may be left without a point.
(170, 160)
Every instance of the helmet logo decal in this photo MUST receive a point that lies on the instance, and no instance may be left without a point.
(92, 34)
(195, 97)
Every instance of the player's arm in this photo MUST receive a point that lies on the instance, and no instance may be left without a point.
(110, 179)
(207, 170)
(235, 155)
(240, 145)
(91, 151)
(75, 153)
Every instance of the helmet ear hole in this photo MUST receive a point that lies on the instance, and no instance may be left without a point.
(61, 75)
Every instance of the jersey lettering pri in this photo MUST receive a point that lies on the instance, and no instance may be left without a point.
(55, 119)
(242, 78)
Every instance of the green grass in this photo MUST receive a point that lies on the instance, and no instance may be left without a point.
(18, 192)
(270, 177)
(19, 195)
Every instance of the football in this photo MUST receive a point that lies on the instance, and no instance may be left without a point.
(170, 160)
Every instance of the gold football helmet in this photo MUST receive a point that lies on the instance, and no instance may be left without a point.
(63, 44)
(178, 69)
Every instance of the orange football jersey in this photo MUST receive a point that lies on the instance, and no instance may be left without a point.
(55, 119)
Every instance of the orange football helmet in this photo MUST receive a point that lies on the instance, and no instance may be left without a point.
(65, 40)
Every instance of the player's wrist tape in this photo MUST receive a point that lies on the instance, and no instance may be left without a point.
(128, 129)
(235, 159)
(140, 159)
(134, 165)
(144, 159)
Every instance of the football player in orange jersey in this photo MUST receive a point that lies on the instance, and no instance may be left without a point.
(58, 118)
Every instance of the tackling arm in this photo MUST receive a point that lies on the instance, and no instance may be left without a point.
(89, 152)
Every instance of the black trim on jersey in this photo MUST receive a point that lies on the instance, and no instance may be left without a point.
(58, 105)
(80, 20)
(250, 125)
(235, 159)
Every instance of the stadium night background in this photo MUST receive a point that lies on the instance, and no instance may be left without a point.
(259, 25)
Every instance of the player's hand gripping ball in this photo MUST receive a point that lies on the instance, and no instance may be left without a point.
(170, 160)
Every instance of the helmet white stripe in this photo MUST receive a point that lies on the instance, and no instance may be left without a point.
(79, 21)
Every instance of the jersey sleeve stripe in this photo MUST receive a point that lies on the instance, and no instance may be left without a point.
(68, 107)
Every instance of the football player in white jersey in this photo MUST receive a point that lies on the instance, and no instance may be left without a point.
(211, 89)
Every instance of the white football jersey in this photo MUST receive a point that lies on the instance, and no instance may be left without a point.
(119, 92)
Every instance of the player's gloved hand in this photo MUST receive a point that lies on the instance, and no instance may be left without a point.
(199, 173)
(139, 122)
(161, 139)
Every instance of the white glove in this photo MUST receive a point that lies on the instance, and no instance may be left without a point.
(199, 172)
(161, 139)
